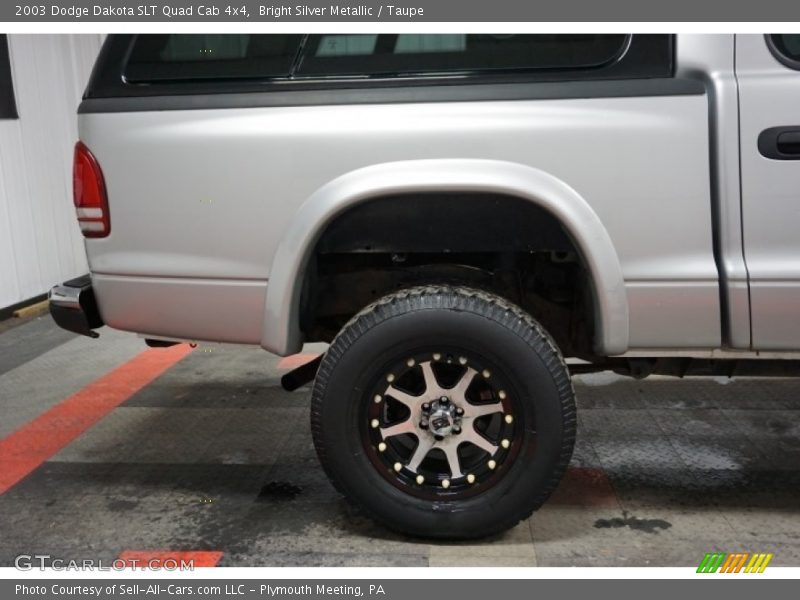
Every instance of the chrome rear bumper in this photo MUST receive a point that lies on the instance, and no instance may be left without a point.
(73, 307)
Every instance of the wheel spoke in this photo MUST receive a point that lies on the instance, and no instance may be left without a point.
(473, 437)
(406, 426)
(451, 451)
(431, 384)
(458, 392)
(479, 410)
(424, 446)
(402, 397)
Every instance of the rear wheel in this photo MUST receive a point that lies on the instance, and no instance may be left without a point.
(444, 412)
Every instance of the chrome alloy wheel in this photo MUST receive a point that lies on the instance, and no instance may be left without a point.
(442, 424)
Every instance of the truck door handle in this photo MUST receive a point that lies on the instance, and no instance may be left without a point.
(780, 143)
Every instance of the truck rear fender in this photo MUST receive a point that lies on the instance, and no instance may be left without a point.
(281, 333)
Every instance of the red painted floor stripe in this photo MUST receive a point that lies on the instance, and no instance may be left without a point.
(158, 558)
(29, 446)
(295, 360)
(585, 486)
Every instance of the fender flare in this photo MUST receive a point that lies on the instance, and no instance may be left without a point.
(281, 331)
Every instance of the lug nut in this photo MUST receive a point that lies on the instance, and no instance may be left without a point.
(470, 478)
(398, 467)
(445, 483)
(502, 394)
(486, 373)
(460, 411)
(426, 407)
(382, 447)
(462, 360)
(438, 437)
(456, 429)
(420, 480)
(377, 398)
(509, 419)
(423, 424)
(444, 400)
(505, 444)
(374, 423)
(411, 362)
(492, 464)
(437, 356)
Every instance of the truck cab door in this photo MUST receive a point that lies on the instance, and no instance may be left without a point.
(768, 74)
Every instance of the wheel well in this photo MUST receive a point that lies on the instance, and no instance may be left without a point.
(501, 244)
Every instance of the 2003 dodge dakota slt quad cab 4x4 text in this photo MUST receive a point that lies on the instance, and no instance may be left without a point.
(455, 215)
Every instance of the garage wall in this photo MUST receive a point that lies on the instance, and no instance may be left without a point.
(40, 243)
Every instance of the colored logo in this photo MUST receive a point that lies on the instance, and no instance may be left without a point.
(737, 562)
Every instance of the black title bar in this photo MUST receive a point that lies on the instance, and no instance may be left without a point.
(462, 11)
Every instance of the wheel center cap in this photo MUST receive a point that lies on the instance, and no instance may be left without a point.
(441, 422)
(442, 417)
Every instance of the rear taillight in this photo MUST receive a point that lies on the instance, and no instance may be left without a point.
(89, 194)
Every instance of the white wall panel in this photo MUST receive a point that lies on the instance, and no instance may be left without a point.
(40, 244)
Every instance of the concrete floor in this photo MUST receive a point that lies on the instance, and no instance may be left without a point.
(214, 455)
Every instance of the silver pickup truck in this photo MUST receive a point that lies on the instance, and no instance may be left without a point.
(457, 216)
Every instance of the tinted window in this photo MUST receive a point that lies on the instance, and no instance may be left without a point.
(406, 54)
(786, 48)
(218, 56)
(8, 105)
(224, 56)
(176, 65)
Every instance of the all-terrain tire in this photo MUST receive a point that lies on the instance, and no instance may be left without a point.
(470, 326)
